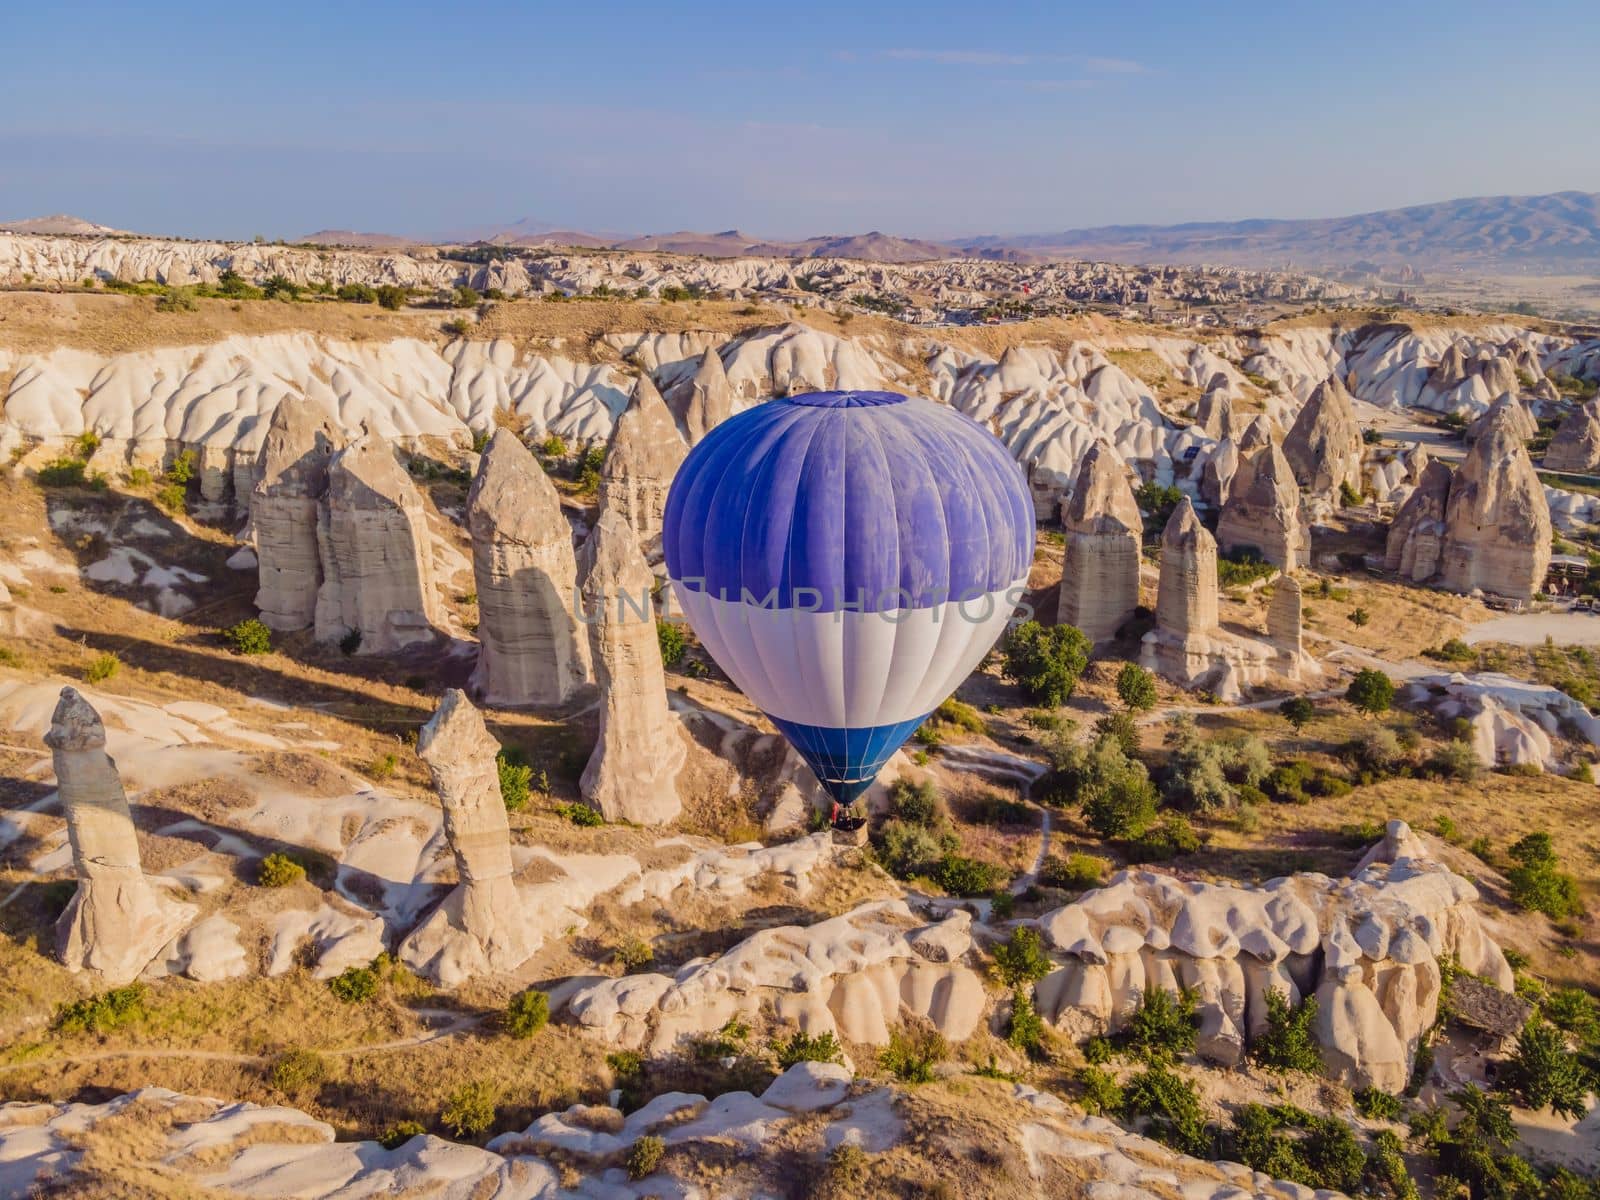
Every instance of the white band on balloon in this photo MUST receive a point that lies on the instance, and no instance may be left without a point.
(849, 669)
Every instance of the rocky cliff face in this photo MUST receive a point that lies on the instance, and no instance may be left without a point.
(1367, 948)
(1324, 444)
(532, 649)
(710, 400)
(644, 455)
(1416, 536)
(293, 472)
(1576, 445)
(480, 926)
(377, 561)
(632, 774)
(1186, 597)
(117, 922)
(1100, 572)
(1263, 512)
(1497, 520)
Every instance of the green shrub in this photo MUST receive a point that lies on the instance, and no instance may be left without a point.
(1136, 688)
(1454, 651)
(295, 1070)
(1371, 691)
(1288, 1043)
(102, 667)
(803, 1047)
(912, 1053)
(1298, 711)
(526, 1014)
(1573, 1010)
(1196, 775)
(1169, 837)
(1045, 663)
(350, 642)
(1075, 873)
(1164, 1026)
(645, 1156)
(384, 766)
(105, 1013)
(182, 468)
(173, 497)
(355, 985)
(1021, 958)
(633, 954)
(1536, 881)
(85, 444)
(399, 1134)
(1102, 1094)
(249, 636)
(1112, 789)
(962, 715)
(465, 297)
(963, 876)
(1157, 502)
(392, 297)
(61, 472)
(138, 477)
(1171, 1105)
(1377, 1105)
(279, 870)
(459, 327)
(178, 299)
(470, 1111)
(357, 293)
(994, 809)
(553, 446)
(846, 1174)
(1454, 760)
(1121, 727)
(516, 781)
(1544, 1073)
(1027, 1032)
(1387, 1172)
(907, 850)
(673, 642)
(581, 814)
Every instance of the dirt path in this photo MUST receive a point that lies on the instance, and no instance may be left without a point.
(1531, 629)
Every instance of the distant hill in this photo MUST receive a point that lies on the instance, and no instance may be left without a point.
(362, 241)
(59, 225)
(1561, 230)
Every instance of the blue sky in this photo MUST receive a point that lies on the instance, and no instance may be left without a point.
(934, 119)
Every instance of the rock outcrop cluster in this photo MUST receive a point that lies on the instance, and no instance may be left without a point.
(1188, 646)
(632, 774)
(1103, 528)
(117, 921)
(1510, 722)
(856, 976)
(293, 478)
(645, 453)
(480, 926)
(377, 557)
(1368, 948)
(532, 648)
(1576, 445)
(710, 400)
(1262, 512)
(1416, 535)
(1324, 444)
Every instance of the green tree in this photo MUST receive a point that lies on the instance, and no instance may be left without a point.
(527, 1013)
(1045, 663)
(1371, 691)
(249, 636)
(673, 641)
(1544, 1073)
(1288, 1043)
(1136, 688)
(470, 1111)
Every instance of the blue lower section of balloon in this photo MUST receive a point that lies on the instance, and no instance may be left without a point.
(846, 761)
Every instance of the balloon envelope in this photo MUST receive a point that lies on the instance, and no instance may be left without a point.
(848, 558)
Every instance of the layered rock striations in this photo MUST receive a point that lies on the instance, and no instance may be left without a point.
(1100, 572)
(532, 648)
(1368, 948)
(645, 453)
(1263, 512)
(1416, 535)
(377, 561)
(632, 774)
(710, 399)
(1186, 597)
(480, 926)
(293, 477)
(116, 922)
(1576, 445)
(1497, 520)
(1324, 444)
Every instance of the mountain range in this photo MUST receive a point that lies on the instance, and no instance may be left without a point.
(1557, 233)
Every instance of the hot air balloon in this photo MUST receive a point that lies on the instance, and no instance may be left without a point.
(848, 558)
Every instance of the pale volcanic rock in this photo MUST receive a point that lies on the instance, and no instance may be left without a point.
(857, 976)
(1324, 445)
(645, 453)
(710, 399)
(1217, 474)
(1100, 574)
(1576, 445)
(377, 564)
(1263, 512)
(1416, 535)
(1258, 433)
(293, 476)
(1511, 722)
(480, 927)
(1517, 414)
(1214, 413)
(1497, 520)
(532, 648)
(632, 774)
(1186, 598)
(1416, 459)
(1369, 948)
(116, 923)
(1286, 615)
